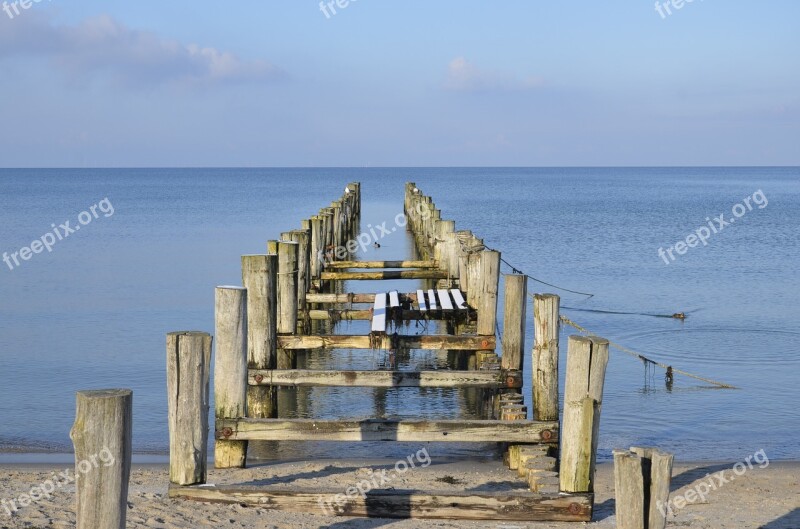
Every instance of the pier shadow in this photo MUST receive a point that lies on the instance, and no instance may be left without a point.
(790, 520)
(695, 474)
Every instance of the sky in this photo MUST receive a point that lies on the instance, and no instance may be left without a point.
(284, 83)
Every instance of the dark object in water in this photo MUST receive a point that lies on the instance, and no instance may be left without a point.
(679, 316)
(376, 245)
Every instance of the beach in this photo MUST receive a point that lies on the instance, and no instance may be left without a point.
(767, 498)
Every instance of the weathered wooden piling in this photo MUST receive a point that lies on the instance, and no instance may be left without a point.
(546, 326)
(287, 298)
(188, 367)
(587, 358)
(488, 285)
(260, 278)
(516, 302)
(642, 482)
(101, 436)
(230, 368)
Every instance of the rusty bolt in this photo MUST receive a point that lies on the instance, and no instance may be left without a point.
(547, 435)
(574, 508)
(485, 343)
(510, 381)
(227, 432)
(259, 378)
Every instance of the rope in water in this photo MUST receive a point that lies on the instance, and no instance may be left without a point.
(643, 358)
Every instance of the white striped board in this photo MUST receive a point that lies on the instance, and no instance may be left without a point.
(432, 299)
(458, 297)
(423, 307)
(444, 299)
(379, 313)
(394, 299)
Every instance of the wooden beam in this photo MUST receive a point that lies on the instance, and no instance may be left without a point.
(458, 298)
(394, 503)
(386, 379)
(432, 299)
(342, 341)
(394, 299)
(386, 274)
(444, 299)
(423, 307)
(381, 264)
(352, 298)
(418, 431)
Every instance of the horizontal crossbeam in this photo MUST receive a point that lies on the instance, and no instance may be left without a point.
(386, 379)
(343, 341)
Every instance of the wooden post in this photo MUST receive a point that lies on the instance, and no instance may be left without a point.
(487, 292)
(303, 240)
(101, 436)
(272, 247)
(657, 472)
(317, 246)
(230, 370)
(629, 490)
(516, 302)
(587, 358)
(546, 325)
(188, 366)
(259, 277)
(287, 298)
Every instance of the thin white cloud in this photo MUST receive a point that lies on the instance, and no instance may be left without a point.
(101, 46)
(463, 76)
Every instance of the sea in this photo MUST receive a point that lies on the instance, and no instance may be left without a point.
(100, 264)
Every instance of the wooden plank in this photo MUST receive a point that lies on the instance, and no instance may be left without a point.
(398, 503)
(344, 265)
(423, 307)
(419, 431)
(379, 313)
(432, 299)
(385, 379)
(458, 297)
(444, 299)
(352, 298)
(386, 274)
(394, 299)
(344, 341)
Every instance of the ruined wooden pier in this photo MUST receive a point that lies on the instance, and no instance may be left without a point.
(291, 298)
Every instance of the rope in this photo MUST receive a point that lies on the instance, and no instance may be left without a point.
(670, 369)
(520, 272)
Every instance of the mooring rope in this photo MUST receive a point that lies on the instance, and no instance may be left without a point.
(643, 358)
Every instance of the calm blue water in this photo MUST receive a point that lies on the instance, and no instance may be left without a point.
(93, 312)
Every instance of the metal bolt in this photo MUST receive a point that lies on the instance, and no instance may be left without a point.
(574, 508)
(547, 435)
(259, 378)
(227, 432)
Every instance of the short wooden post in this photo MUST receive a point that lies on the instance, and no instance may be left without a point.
(487, 292)
(303, 240)
(188, 367)
(259, 277)
(657, 471)
(101, 436)
(287, 298)
(230, 370)
(587, 358)
(516, 302)
(272, 247)
(546, 325)
(629, 490)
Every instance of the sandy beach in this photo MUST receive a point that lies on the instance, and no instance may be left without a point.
(767, 498)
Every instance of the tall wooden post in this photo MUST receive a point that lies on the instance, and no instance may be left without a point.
(516, 302)
(188, 367)
(587, 358)
(488, 284)
(546, 326)
(317, 247)
(287, 298)
(230, 370)
(101, 436)
(260, 278)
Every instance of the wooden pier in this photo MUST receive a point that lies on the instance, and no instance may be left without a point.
(292, 294)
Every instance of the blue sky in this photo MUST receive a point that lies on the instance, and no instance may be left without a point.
(412, 83)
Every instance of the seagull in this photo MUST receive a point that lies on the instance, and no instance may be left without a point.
(346, 190)
(416, 191)
(376, 245)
